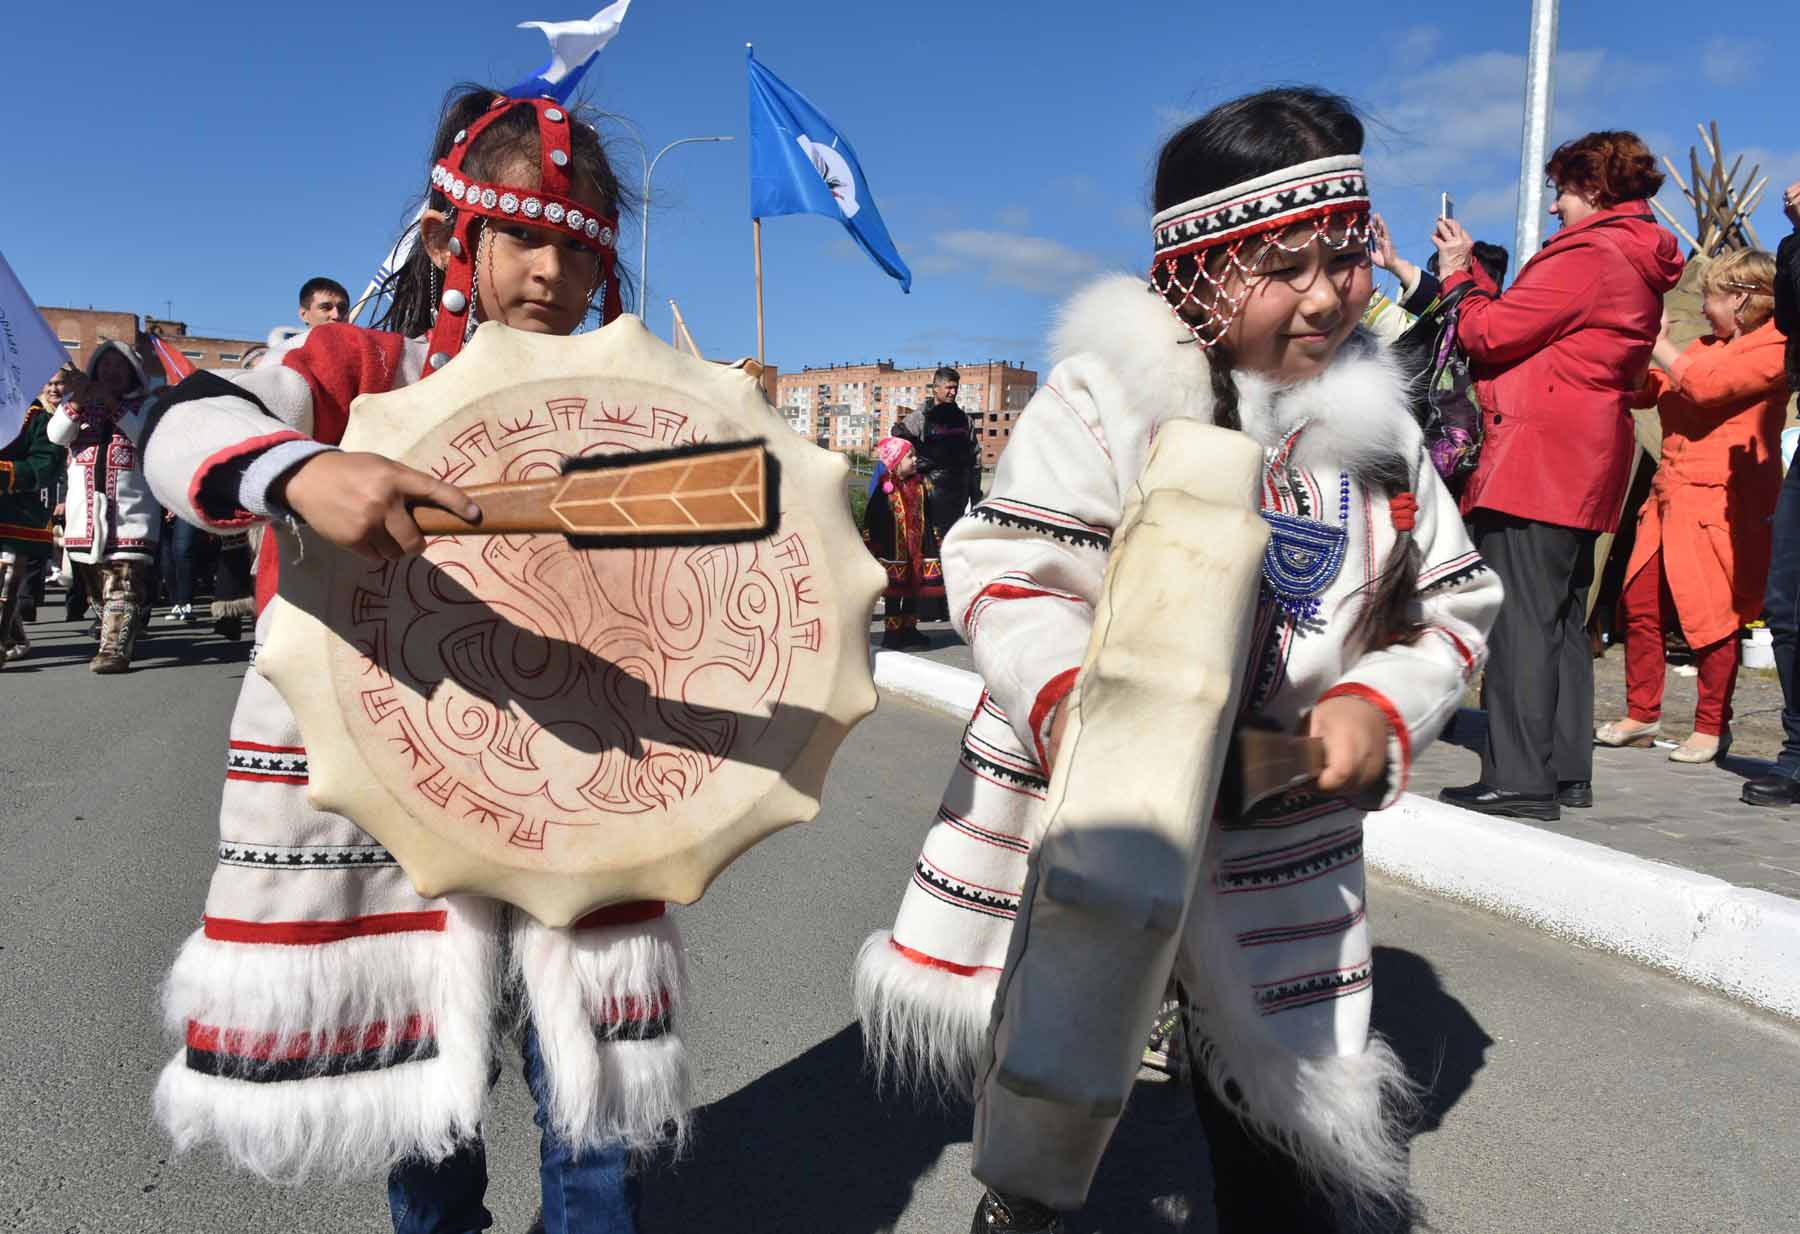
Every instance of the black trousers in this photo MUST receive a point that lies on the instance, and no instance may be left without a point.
(1259, 1189)
(1540, 668)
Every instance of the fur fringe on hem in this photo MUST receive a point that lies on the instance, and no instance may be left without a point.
(1344, 1118)
(927, 1027)
(337, 1127)
(606, 1092)
(245, 607)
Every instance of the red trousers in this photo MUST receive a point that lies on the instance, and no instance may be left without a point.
(1647, 606)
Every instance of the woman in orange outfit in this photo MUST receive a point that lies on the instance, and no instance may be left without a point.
(1703, 539)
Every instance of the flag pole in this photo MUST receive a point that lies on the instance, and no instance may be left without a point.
(756, 232)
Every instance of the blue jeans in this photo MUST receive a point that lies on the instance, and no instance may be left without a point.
(1781, 609)
(591, 1193)
(181, 547)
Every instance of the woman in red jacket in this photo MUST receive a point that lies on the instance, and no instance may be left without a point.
(1557, 360)
(1703, 538)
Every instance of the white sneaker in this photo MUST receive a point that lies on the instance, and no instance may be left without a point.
(177, 612)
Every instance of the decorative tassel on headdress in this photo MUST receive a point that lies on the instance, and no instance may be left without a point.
(1332, 194)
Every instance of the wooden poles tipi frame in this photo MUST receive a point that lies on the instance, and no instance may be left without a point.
(1722, 205)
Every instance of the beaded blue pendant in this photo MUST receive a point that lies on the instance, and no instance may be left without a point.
(1304, 557)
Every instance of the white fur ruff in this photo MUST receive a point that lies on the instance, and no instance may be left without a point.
(1355, 410)
(337, 1127)
(606, 1092)
(925, 1026)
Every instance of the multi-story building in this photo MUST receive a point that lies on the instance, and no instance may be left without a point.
(815, 401)
(83, 330)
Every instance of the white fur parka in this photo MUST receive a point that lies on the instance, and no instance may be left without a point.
(1276, 956)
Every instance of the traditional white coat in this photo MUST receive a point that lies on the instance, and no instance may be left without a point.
(333, 1021)
(109, 513)
(1275, 956)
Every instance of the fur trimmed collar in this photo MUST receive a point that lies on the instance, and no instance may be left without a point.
(1354, 414)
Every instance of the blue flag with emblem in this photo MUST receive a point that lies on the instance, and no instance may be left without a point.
(801, 164)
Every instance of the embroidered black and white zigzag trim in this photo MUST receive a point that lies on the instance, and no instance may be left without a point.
(1023, 516)
(1312, 988)
(303, 856)
(1294, 863)
(1303, 189)
(1452, 574)
(962, 895)
(248, 761)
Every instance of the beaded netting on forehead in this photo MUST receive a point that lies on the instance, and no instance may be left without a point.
(1323, 201)
(550, 206)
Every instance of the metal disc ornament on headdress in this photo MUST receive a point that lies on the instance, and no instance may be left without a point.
(565, 728)
(551, 205)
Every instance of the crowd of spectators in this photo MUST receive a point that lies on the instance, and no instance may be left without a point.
(76, 513)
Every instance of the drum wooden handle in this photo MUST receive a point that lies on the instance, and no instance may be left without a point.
(520, 507)
(712, 493)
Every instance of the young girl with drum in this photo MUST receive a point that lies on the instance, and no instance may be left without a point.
(336, 1023)
(1370, 625)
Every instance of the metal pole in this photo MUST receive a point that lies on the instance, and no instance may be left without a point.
(1534, 149)
(756, 234)
(650, 170)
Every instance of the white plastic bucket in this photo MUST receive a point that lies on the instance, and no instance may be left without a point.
(1758, 649)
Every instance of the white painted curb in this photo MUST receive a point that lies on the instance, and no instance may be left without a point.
(1739, 941)
(942, 687)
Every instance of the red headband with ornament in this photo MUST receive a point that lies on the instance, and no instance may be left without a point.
(551, 206)
(1322, 192)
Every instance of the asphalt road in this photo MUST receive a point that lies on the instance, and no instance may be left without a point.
(1574, 1093)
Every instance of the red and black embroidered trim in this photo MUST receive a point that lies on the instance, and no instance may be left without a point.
(266, 1058)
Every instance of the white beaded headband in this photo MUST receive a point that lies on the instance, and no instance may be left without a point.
(1313, 192)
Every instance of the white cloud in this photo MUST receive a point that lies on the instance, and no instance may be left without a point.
(1457, 118)
(1730, 62)
(1029, 263)
(1015, 217)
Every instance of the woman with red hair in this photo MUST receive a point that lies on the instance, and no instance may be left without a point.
(1557, 359)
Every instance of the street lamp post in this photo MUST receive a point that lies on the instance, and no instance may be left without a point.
(650, 170)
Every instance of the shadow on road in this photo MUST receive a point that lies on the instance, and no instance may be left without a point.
(811, 1145)
(1442, 1045)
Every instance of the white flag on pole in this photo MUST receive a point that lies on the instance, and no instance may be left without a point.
(573, 46)
(29, 352)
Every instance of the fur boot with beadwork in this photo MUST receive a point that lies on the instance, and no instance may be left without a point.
(118, 635)
(998, 1214)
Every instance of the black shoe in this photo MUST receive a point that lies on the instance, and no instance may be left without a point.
(995, 1215)
(1497, 801)
(1575, 794)
(1774, 789)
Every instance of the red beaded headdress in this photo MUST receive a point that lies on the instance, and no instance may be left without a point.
(1330, 193)
(551, 206)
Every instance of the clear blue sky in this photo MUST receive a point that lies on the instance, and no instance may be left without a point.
(215, 155)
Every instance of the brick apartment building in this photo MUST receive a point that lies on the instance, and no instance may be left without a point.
(82, 330)
(850, 407)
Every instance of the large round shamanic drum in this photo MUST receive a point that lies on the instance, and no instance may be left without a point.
(567, 728)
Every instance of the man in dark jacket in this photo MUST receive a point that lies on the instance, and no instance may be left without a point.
(949, 452)
(1781, 603)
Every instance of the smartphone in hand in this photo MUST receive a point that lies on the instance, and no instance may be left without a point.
(1447, 207)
